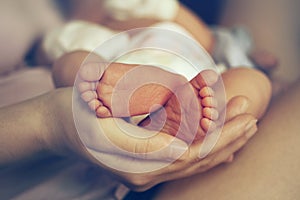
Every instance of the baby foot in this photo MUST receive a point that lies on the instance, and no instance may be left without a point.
(123, 90)
(190, 112)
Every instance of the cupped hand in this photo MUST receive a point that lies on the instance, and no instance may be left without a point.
(238, 129)
(142, 158)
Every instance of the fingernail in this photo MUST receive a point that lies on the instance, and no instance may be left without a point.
(250, 124)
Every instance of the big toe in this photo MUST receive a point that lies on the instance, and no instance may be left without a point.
(86, 86)
(207, 78)
(92, 71)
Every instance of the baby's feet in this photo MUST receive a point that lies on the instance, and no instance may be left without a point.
(190, 112)
(123, 90)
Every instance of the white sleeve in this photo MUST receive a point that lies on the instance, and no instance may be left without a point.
(156, 9)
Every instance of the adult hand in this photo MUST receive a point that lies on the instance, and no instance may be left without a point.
(238, 129)
(146, 161)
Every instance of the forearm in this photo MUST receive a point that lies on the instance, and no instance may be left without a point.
(67, 66)
(24, 128)
(42, 124)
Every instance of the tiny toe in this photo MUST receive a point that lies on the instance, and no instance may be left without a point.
(210, 113)
(85, 86)
(92, 71)
(207, 124)
(94, 104)
(209, 102)
(89, 96)
(205, 78)
(206, 92)
(103, 111)
(210, 77)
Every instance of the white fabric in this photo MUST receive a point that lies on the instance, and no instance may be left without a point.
(156, 9)
(81, 35)
(174, 49)
(232, 47)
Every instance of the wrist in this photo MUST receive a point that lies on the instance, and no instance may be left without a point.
(63, 137)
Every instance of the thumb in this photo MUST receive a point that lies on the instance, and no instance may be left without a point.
(236, 106)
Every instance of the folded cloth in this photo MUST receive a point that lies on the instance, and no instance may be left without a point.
(232, 47)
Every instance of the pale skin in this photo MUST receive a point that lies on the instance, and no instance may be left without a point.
(259, 96)
(34, 143)
(270, 161)
(186, 168)
(42, 131)
(100, 95)
(237, 82)
(66, 75)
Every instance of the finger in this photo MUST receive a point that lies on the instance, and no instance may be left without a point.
(225, 153)
(219, 157)
(236, 106)
(190, 165)
(232, 130)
